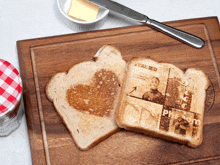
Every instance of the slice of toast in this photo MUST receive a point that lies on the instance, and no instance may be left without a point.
(161, 100)
(87, 96)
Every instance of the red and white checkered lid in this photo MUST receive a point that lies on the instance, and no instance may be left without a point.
(10, 87)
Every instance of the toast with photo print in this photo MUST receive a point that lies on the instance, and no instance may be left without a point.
(161, 100)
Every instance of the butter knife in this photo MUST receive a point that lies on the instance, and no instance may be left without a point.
(136, 16)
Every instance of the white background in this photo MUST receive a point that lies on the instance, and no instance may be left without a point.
(27, 19)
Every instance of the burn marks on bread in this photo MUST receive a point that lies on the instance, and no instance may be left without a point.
(162, 98)
(98, 97)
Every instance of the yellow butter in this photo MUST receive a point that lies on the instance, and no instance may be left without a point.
(83, 10)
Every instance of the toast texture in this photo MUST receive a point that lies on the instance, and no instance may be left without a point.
(161, 100)
(87, 96)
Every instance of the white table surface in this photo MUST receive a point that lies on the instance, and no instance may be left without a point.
(27, 19)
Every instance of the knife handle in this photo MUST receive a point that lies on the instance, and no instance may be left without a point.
(176, 33)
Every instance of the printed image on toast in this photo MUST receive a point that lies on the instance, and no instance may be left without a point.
(87, 96)
(161, 100)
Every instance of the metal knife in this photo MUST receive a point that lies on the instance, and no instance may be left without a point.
(171, 31)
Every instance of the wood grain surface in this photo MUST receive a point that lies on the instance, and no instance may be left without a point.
(50, 140)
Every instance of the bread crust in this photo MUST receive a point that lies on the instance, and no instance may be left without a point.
(82, 94)
(172, 109)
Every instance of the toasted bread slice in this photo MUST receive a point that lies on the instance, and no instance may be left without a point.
(161, 100)
(87, 96)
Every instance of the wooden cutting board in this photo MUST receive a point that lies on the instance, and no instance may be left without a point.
(50, 140)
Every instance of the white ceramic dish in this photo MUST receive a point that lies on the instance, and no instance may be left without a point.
(64, 6)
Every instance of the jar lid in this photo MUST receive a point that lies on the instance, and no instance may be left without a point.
(10, 87)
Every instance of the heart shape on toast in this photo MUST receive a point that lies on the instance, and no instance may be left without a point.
(96, 98)
(86, 97)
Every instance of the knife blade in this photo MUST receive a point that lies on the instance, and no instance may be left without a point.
(183, 36)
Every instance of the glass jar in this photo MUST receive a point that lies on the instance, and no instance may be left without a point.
(11, 110)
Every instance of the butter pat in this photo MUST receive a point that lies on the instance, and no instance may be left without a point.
(83, 10)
